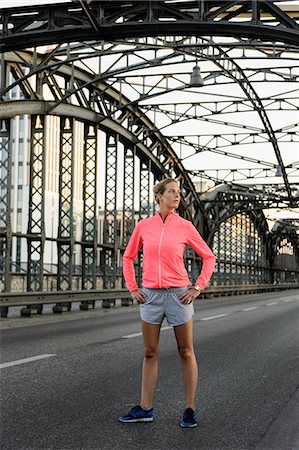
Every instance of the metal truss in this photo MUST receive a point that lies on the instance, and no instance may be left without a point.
(128, 194)
(104, 20)
(109, 252)
(205, 112)
(5, 206)
(145, 186)
(226, 201)
(110, 108)
(246, 251)
(36, 233)
(284, 246)
(89, 234)
(66, 225)
(129, 76)
(243, 251)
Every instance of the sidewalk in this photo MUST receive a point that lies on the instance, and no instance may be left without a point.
(284, 431)
(48, 316)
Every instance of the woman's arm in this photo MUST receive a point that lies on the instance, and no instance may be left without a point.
(129, 257)
(195, 241)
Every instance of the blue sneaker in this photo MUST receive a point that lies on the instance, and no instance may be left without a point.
(189, 419)
(137, 414)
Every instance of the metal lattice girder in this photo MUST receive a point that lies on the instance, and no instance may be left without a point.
(108, 267)
(241, 251)
(36, 222)
(110, 210)
(65, 240)
(89, 232)
(242, 174)
(165, 158)
(144, 195)
(211, 13)
(5, 201)
(231, 69)
(151, 143)
(255, 196)
(109, 263)
(225, 202)
(234, 71)
(105, 93)
(119, 19)
(219, 143)
(128, 194)
(284, 244)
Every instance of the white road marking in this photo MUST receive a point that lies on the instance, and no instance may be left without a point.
(24, 361)
(130, 336)
(289, 300)
(214, 317)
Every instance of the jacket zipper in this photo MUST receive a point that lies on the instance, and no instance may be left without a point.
(159, 256)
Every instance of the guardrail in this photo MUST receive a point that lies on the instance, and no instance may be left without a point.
(33, 301)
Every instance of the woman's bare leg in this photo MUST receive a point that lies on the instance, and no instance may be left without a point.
(151, 335)
(184, 338)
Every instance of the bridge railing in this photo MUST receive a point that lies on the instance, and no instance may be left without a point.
(32, 302)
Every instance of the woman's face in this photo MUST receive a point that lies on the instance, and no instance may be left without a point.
(171, 196)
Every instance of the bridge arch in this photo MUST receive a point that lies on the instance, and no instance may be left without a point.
(53, 85)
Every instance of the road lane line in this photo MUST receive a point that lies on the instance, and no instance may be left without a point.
(214, 317)
(130, 336)
(249, 309)
(25, 360)
(273, 303)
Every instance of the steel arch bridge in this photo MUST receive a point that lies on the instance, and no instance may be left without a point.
(97, 102)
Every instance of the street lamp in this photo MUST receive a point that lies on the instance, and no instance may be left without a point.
(196, 78)
(278, 171)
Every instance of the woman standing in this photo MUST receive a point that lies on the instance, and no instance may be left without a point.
(166, 293)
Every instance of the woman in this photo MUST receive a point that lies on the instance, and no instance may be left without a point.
(166, 293)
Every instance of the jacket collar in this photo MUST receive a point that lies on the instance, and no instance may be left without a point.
(168, 217)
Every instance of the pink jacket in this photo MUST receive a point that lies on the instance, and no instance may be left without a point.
(163, 251)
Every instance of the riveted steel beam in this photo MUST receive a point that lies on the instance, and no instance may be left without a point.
(128, 194)
(65, 242)
(144, 197)
(105, 20)
(225, 62)
(89, 232)
(36, 216)
(111, 222)
(5, 205)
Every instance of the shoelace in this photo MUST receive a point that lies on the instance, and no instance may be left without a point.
(189, 415)
(135, 411)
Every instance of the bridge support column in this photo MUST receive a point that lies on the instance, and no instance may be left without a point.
(128, 202)
(89, 235)
(5, 214)
(65, 242)
(111, 228)
(36, 223)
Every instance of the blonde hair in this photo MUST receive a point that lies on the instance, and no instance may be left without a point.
(161, 186)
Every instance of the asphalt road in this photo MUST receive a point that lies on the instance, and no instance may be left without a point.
(84, 372)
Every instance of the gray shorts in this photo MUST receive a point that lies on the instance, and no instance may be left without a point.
(162, 303)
